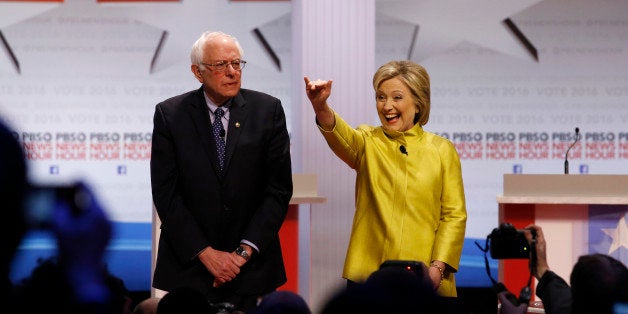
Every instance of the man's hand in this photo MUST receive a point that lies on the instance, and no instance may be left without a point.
(508, 307)
(223, 265)
(240, 260)
(541, 250)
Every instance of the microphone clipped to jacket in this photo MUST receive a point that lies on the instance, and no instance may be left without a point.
(403, 150)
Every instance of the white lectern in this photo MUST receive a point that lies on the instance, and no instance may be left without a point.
(560, 205)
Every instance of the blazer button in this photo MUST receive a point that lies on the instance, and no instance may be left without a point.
(226, 208)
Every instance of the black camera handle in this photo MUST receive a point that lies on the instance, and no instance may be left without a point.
(525, 295)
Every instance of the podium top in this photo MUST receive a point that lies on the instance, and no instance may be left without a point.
(565, 189)
(305, 189)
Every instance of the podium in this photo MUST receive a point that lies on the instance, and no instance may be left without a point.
(293, 232)
(561, 205)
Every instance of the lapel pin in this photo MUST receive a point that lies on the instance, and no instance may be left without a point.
(237, 124)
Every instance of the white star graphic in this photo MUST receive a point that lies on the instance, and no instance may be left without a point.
(619, 235)
(74, 27)
(444, 24)
(11, 13)
(237, 18)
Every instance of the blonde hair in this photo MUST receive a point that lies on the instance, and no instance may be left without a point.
(415, 77)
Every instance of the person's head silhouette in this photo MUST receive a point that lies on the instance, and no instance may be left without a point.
(12, 190)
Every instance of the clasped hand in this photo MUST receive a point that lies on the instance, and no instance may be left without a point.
(225, 266)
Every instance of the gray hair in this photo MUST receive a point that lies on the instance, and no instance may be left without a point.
(196, 55)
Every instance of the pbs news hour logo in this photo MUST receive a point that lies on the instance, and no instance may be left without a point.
(539, 145)
(86, 146)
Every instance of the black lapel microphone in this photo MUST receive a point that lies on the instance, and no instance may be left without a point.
(222, 134)
(403, 150)
(569, 148)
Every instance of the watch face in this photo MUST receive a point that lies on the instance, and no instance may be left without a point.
(240, 251)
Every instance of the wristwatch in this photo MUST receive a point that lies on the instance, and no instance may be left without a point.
(242, 252)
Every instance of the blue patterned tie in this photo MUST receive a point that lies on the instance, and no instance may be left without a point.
(219, 135)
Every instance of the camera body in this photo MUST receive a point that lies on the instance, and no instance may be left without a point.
(507, 242)
(42, 200)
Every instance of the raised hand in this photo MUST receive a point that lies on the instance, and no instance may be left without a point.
(318, 92)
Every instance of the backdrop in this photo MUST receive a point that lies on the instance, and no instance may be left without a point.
(511, 82)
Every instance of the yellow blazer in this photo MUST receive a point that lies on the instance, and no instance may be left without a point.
(409, 206)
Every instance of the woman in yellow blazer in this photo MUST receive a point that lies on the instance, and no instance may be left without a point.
(410, 202)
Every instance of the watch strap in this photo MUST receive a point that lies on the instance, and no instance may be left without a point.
(242, 252)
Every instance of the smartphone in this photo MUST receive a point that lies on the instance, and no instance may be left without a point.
(41, 201)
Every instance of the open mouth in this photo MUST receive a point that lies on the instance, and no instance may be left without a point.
(391, 118)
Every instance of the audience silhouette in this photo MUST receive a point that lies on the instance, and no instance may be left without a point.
(184, 299)
(82, 232)
(282, 302)
(12, 191)
(390, 290)
(147, 306)
(48, 288)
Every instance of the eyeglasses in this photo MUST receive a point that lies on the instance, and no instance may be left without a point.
(221, 66)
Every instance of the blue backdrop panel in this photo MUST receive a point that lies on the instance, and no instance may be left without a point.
(129, 257)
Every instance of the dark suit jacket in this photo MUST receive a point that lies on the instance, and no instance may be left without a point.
(555, 293)
(198, 206)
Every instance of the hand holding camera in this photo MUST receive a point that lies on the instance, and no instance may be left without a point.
(534, 234)
(81, 226)
(72, 212)
(507, 242)
(82, 231)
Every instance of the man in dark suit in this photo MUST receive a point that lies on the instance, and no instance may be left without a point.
(220, 215)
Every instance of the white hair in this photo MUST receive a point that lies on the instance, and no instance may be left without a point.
(196, 55)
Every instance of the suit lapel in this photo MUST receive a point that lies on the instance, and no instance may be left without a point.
(199, 113)
(237, 119)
